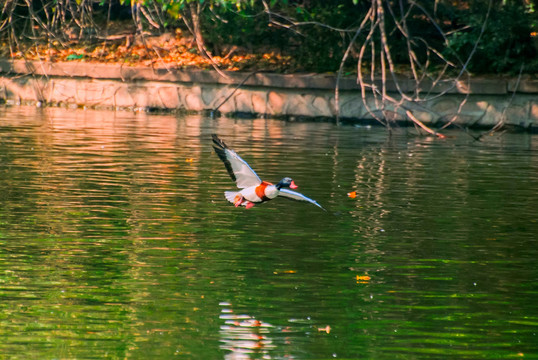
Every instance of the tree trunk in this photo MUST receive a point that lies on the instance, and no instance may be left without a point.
(194, 10)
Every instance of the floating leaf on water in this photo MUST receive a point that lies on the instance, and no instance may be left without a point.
(285, 272)
(326, 329)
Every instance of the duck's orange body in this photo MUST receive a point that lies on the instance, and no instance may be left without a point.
(260, 190)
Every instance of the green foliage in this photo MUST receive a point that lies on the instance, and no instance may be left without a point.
(506, 42)
(315, 33)
(315, 46)
(318, 47)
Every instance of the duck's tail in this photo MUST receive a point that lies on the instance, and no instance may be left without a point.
(230, 196)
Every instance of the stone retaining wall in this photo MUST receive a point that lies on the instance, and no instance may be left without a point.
(274, 95)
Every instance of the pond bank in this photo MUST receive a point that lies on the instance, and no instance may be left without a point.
(79, 84)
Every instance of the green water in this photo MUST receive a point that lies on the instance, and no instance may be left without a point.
(116, 241)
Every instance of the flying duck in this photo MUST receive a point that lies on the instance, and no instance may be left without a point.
(253, 189)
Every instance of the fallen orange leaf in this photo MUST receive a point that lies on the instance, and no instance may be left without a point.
(326, 329)
(361, 279)
(289, 271)
(285, 272)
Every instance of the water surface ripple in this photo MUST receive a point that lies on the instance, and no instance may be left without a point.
(116, 241)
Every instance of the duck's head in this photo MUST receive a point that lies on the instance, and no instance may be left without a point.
(287, 182)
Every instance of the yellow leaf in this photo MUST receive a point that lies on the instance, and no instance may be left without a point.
(326, 329)
(362, 279)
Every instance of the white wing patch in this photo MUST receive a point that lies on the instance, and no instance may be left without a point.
(244, 175)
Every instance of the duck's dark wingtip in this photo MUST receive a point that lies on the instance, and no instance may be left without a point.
(219, 145)
(220, 149)
(217, 141)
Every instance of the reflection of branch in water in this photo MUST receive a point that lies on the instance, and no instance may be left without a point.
(243, 335)
(371, 170)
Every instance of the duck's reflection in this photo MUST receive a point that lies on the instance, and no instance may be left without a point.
(244, 336)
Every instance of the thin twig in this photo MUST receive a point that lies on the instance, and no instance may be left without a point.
(341, 68)
(233, 92)
(502, 120)
(421, 124)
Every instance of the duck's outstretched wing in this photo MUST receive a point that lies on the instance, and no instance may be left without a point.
(239, 170)
(294, 195)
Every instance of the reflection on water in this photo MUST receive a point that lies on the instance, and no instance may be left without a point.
(116, 241)
(243, 336)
